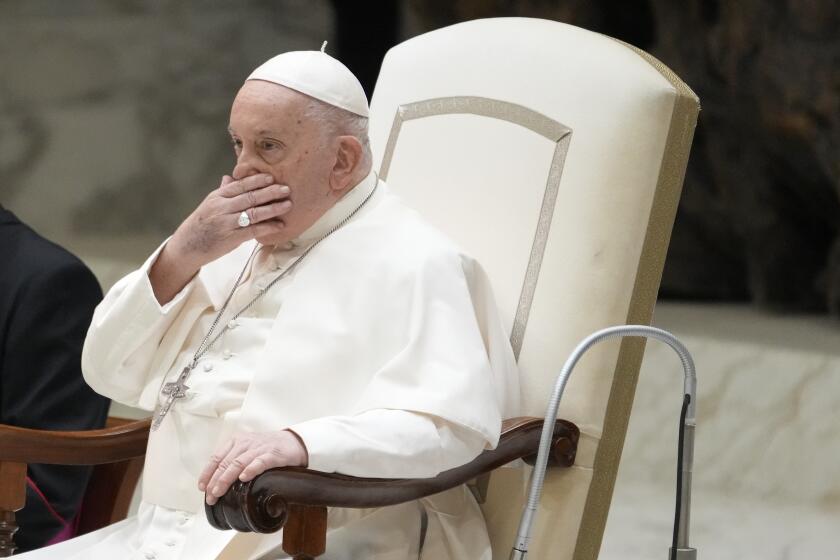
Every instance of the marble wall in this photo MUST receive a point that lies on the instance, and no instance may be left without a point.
(766, 476)
(113, 113)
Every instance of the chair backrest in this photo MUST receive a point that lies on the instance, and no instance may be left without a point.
(556, 157)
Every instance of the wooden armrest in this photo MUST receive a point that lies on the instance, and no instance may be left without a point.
(117, 449)
(263, 504)
(88, 447)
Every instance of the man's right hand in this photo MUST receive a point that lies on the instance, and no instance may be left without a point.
(212, 230)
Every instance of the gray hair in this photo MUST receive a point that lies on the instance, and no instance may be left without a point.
(335, 121)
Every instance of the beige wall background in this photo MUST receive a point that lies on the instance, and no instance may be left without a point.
(113, 114)
(767, 450)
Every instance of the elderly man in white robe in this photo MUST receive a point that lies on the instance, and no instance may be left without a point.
(302, 316)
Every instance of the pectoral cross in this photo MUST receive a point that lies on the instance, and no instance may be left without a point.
(173, 391)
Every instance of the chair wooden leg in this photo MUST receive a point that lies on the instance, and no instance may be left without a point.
(305, 532)
(8, 528)
(12, 499)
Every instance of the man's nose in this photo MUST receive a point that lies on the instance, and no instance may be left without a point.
(248, 164)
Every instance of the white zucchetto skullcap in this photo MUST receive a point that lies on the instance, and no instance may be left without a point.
(318, 75)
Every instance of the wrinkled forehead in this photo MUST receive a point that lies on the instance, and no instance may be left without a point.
(261, 101)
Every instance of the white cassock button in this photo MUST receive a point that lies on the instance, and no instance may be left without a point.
(185, 518)
(226, 354)
(208, 366)
(261, 285)
(232, 324)
(150, 555)
(171, 542)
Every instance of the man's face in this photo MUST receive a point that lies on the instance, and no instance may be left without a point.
(271, 135)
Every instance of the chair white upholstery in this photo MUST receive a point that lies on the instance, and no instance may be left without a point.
(555, 156)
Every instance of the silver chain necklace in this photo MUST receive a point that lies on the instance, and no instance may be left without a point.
(178, 389)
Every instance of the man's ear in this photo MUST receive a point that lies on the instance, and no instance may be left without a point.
(347, 163)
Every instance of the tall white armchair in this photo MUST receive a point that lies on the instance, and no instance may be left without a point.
(556, 156)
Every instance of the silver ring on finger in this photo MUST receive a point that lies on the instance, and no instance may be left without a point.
(244, 219)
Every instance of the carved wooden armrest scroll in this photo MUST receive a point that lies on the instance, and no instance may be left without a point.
(297, 498)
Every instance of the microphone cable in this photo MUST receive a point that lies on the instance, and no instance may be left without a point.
(680, 444)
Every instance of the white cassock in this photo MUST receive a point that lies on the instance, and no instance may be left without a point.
(383, 351)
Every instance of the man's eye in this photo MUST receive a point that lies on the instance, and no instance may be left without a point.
(266, 145)
(237, 143)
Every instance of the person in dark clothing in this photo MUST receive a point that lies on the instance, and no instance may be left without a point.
(47, 297)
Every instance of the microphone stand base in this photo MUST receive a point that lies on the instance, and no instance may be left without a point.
(683, 554)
